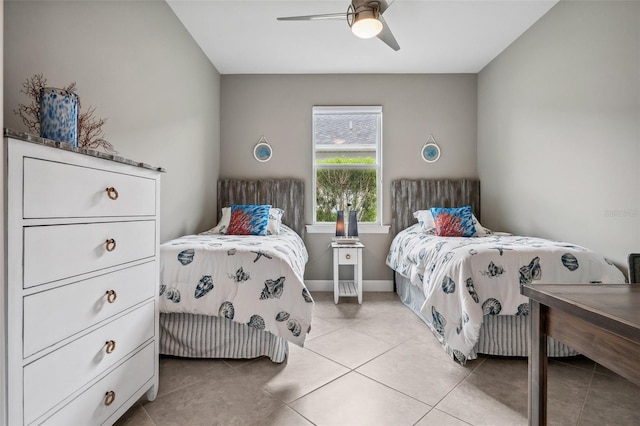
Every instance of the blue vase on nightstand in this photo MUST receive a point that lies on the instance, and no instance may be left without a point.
(353, 224)
(59, 115)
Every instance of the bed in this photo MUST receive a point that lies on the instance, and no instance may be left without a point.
(238, 296)
(467, 290)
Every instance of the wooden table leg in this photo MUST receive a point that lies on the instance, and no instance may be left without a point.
(537, 365)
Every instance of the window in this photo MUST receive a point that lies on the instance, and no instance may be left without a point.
(347, 170)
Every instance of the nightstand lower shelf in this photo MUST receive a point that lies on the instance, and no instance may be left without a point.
(347, 289)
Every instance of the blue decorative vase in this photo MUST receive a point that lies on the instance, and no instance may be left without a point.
(353, 224)
(59, 115)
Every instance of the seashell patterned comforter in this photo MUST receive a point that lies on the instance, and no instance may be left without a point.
(252, 280)
(466, 278)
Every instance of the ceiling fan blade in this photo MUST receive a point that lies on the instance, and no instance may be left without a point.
(384, 5)
(314, 17)
(387, 36)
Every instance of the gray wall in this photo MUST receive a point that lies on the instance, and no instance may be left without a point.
(279, 107)
(138, 66)
(559, 129)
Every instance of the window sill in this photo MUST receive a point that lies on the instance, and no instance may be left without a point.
(363, 228)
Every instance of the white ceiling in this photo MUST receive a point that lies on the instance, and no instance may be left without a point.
(435, 36)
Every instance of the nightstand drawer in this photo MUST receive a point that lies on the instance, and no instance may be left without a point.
(347, 256)
(56, 314)
(54, 377)
(55, 252)
(57, 190)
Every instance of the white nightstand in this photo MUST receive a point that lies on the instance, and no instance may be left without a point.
(347, 254)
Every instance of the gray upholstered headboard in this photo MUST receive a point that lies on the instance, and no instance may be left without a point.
(409, 195)
(286, 194)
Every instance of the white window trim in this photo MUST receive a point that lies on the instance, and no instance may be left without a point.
(363, 228)
(318, 227)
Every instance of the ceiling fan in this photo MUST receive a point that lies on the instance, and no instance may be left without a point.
(364, 18)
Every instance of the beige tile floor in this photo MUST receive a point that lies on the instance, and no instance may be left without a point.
(377, 364)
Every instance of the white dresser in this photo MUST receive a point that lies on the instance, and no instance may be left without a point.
(79, 295)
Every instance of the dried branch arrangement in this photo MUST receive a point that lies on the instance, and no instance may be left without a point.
(89, 127)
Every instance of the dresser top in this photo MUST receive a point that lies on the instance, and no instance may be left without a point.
(26, 137)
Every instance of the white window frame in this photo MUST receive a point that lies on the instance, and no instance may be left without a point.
(364, 227)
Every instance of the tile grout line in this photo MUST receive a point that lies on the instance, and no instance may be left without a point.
(443, 412)
(350, 370)
(456, 387)
(148, 415)
(586, 396)
(433, 407)
(392, 347)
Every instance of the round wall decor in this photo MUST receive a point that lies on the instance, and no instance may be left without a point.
(430, 151)
(262, 151)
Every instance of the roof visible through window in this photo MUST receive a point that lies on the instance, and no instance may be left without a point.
(345, 129)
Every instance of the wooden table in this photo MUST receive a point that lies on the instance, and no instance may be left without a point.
(601, 322)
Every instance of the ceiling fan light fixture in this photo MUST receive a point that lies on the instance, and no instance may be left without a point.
(366, 24)
(364, 17)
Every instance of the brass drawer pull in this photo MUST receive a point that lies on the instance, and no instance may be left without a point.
(111, 296)
(112, 193)
(109, 397)
(111, 346)
(348, 256)
(110, 244)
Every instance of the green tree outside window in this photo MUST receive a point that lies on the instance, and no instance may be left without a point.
(338, 187)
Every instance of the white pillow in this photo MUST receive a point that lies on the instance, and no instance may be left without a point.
(481, 231)
(425, 219)
(275, 220)
(273, 225)
(221, 227)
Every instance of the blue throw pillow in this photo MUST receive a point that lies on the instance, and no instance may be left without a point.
(454, 222)
(248, 219)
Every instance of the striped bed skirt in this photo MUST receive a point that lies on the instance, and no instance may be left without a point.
(203, 336)
(501, 335)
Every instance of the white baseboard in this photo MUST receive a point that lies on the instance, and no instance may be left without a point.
(367, 285)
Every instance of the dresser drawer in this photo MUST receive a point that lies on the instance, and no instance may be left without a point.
(53, 315)
(347, 256)
(56, 190)
(54, 377)
(55, 252)
(90, 408)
